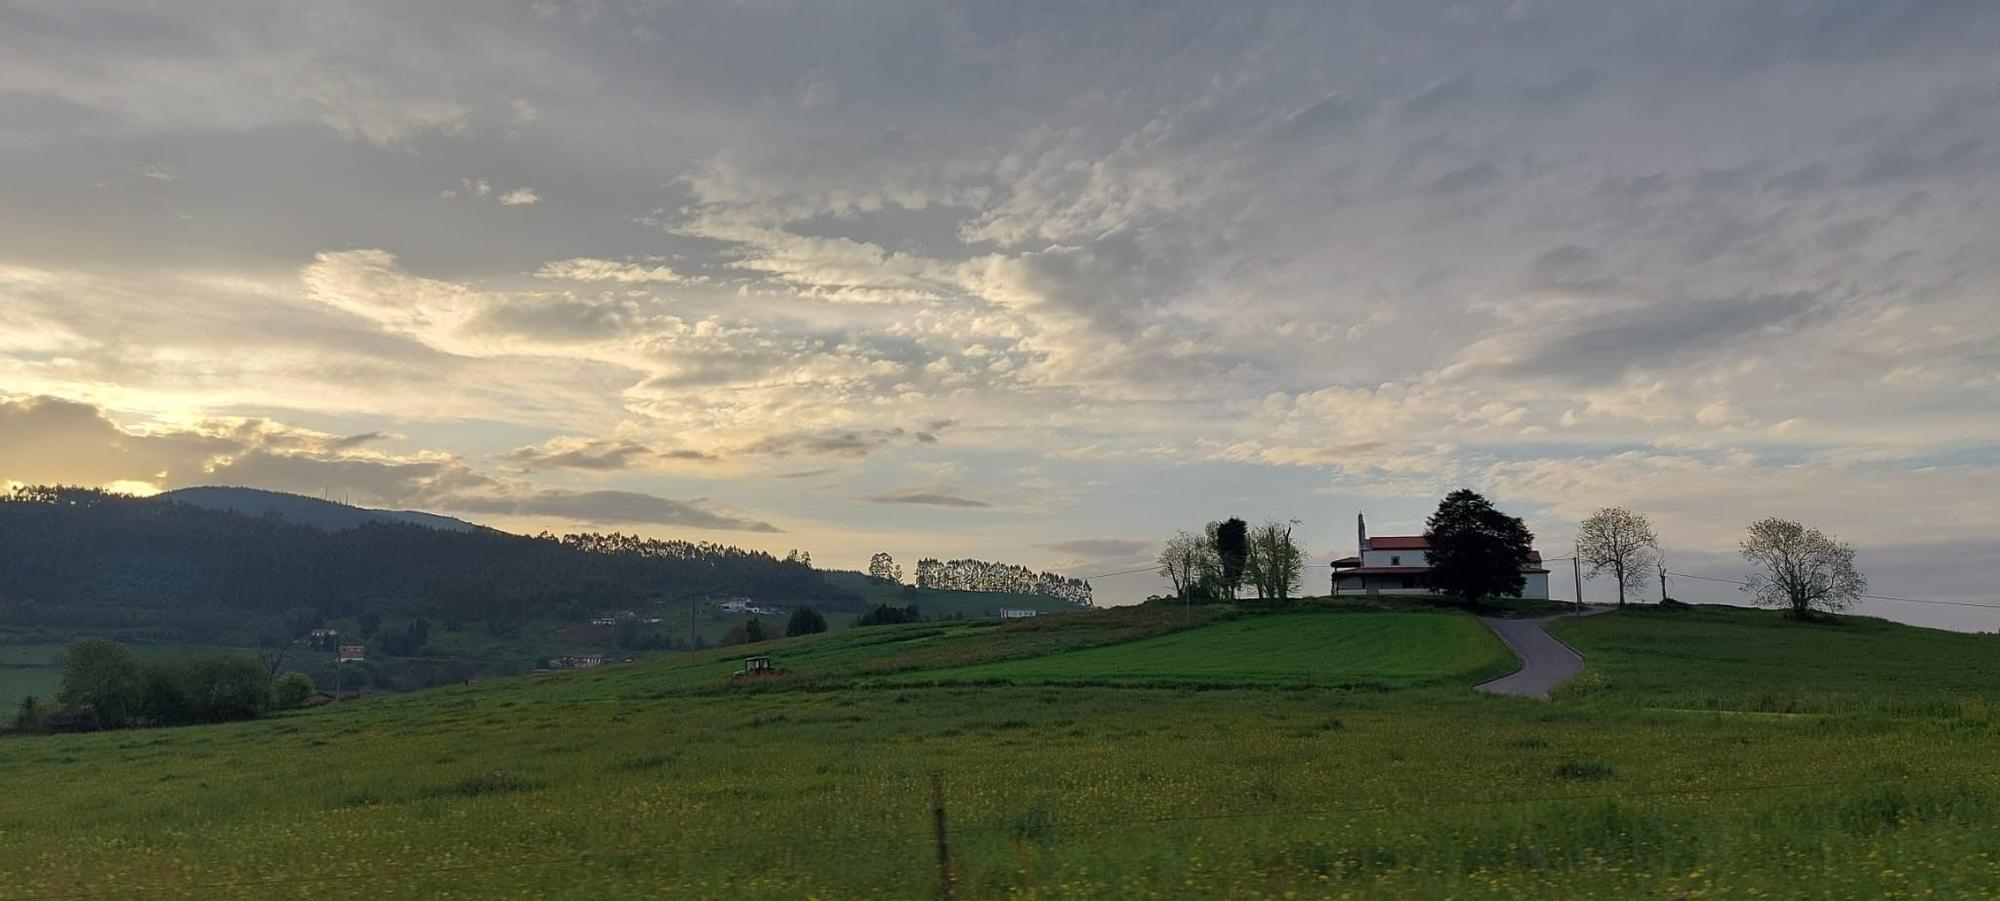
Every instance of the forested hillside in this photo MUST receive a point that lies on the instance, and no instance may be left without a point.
(82, 558)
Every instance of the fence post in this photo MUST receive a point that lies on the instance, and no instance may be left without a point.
(943, 840)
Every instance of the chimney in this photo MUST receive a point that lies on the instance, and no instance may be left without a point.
(1361, 532)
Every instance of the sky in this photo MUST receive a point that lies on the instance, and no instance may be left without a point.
(1032, 282)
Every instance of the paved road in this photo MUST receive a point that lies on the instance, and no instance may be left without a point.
(1545, 660)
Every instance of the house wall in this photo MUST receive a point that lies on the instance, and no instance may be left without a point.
(1388, 558)
(1537, 587)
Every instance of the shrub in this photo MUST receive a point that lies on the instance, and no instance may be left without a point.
(32, 715)
(104, 678)
(291, 690)
(885, 615)
(229, 688)
(805, 621)
(749, 631)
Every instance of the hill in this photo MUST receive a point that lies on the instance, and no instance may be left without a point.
(630, 780)
(158, 569)
(306, 511)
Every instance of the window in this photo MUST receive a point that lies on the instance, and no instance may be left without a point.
(1395, 561)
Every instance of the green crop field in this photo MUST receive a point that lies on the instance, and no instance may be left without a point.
(661, 778)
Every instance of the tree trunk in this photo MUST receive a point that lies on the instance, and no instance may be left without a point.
(1619, 571)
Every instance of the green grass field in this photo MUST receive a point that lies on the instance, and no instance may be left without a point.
(1375, 650)
(661, 778)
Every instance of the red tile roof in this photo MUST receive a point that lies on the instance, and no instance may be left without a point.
(1399, 543)
(1346, 562)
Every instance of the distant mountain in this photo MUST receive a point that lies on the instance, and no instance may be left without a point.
(203, 564)
(298, 509)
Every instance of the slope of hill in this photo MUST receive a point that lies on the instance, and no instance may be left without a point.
(152, 568)
(1732, 658)
(306, 511)
(660, 776)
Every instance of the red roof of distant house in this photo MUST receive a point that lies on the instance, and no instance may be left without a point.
(1399, 543)
(1385, 571)
(1346, 562)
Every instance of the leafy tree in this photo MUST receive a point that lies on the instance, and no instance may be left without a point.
(1623, 542)
(1476, 551)
(229, 688)
(805, 621)
(1189, 562)
(104, 678)
(1800, 569)
(291, 690)
(882, 566)
(1275, 562)
(370, 622)
(749, 631)
(1231, 539)
(170, 694)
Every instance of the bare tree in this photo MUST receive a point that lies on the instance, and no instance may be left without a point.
(1275, 562)
(1621, 541)
(1800, 569)
(1188, 560)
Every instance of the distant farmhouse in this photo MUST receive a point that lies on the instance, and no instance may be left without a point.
(576, 661)
(351, 653)
(1016, 613)
(740, 606)
(1399, 563)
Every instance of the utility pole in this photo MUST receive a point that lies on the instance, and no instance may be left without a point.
(1576, 569)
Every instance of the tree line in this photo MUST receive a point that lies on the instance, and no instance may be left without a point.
(106, 686)
(1216, 563)
(981, 575)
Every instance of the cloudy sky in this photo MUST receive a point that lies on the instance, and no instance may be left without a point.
(1034, 282)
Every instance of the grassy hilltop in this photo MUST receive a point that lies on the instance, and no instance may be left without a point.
(1125, 752)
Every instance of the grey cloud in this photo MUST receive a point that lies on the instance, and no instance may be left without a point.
(923, 497)
(1611, 344)
(1103, 548)
(843, 442)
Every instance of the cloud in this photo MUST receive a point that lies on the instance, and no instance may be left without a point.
(923, 497)
(55, 440)
(1104, 548)
(520, 197)
(584, 269)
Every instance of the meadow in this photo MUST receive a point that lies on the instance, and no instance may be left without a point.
(660, 777)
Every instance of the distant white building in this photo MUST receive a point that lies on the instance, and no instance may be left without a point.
(745, 607)
(1016, 613)
(1398, 564)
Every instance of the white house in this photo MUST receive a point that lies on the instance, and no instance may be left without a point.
(1398, 563)
(1016, 613)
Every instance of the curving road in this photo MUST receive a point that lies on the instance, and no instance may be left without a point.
(1545, 660)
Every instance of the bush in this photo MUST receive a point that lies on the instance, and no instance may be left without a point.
(749, 631)
(805, 621)
(1671, 604)
(103, 678)
(885, 615)
(32, 715)
(291, 690)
